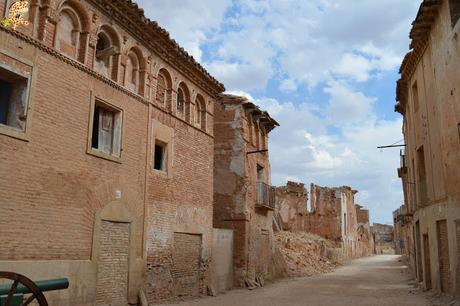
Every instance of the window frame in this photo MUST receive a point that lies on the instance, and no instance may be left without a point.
(31, 85)
(98, 153)
(164, 162)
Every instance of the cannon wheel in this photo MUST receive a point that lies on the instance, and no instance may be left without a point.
(21, 279)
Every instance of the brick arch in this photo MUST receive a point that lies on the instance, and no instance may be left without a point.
(79, 10)
(164, 89)
(200, 114)
(107, 55)
(136, 69)
(183, 101)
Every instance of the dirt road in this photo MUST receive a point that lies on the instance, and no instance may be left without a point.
(372, 281)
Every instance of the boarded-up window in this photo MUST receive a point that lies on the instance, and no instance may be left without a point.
(106, 133)
(186, 264)
(13, 99)
(443, 255)
(427, 261)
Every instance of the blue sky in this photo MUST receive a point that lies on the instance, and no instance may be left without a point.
(326, 70)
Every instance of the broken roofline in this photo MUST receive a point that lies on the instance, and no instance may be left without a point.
(419, 34)
(263, 116)
(129, 14)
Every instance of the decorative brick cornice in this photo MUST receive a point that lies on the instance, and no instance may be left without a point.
(39, 45)
(420, 35)
(128, 14)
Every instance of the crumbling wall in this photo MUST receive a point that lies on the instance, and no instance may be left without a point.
(324, 217)
(291, 207)
(383, 238)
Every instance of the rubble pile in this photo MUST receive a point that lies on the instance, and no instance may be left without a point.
(307, 254)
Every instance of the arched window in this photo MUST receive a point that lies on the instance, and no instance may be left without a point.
(180, 101)
(72, 31)
(200, 114)
(107, 53)
(132, 74)
(183, 102)
(67, 33)
(164, 86)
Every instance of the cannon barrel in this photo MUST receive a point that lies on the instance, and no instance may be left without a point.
(44, 285)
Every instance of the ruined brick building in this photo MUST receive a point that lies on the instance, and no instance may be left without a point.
(291, 213)
(428, 97)
(383, 235)
(334, 215)
(243, 196)
(107, 137)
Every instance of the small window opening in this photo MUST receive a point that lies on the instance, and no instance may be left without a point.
(454, 11)
(13, 99)
(180, 101)
(415, 97)
(159, 162)
(106, 133)
(260, 174)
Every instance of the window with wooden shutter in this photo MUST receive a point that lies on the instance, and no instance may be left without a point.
(106, 130)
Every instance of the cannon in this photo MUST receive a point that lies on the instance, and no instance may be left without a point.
(12, 294)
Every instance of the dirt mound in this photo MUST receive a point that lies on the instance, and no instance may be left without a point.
(306, 254)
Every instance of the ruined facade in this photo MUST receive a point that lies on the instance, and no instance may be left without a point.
(334, 215)
(428, 97)
(291, 212)
(106, 134)
(383, 239)
(244, 199)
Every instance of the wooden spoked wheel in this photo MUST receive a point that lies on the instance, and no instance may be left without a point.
(29, 284)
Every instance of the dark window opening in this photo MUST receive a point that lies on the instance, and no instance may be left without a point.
(180, 101)
(454, 11)
(106, 132)
(159, 162)
(415, 97)
(13, 99)
(260, 174)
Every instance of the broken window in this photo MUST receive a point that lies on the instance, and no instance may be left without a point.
(106, 133)
(454, 11)
(13, 99)
(159, 156)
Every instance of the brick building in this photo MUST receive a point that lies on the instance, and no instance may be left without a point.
(106, 137)
(243, 196)
(291, 207)
(384, 242)
(334, 215)
(428, 97)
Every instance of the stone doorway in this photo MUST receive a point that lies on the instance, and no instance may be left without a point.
(113, 264)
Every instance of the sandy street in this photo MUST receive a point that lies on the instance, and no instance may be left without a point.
(378, 280)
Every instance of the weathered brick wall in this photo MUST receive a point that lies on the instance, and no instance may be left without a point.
(235, 190)
(56, 187)
(186, 264)
(112, 276)
(291, 207)
(324, 218)
(179, 201)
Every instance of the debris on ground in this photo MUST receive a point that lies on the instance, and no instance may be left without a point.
(307, 254)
